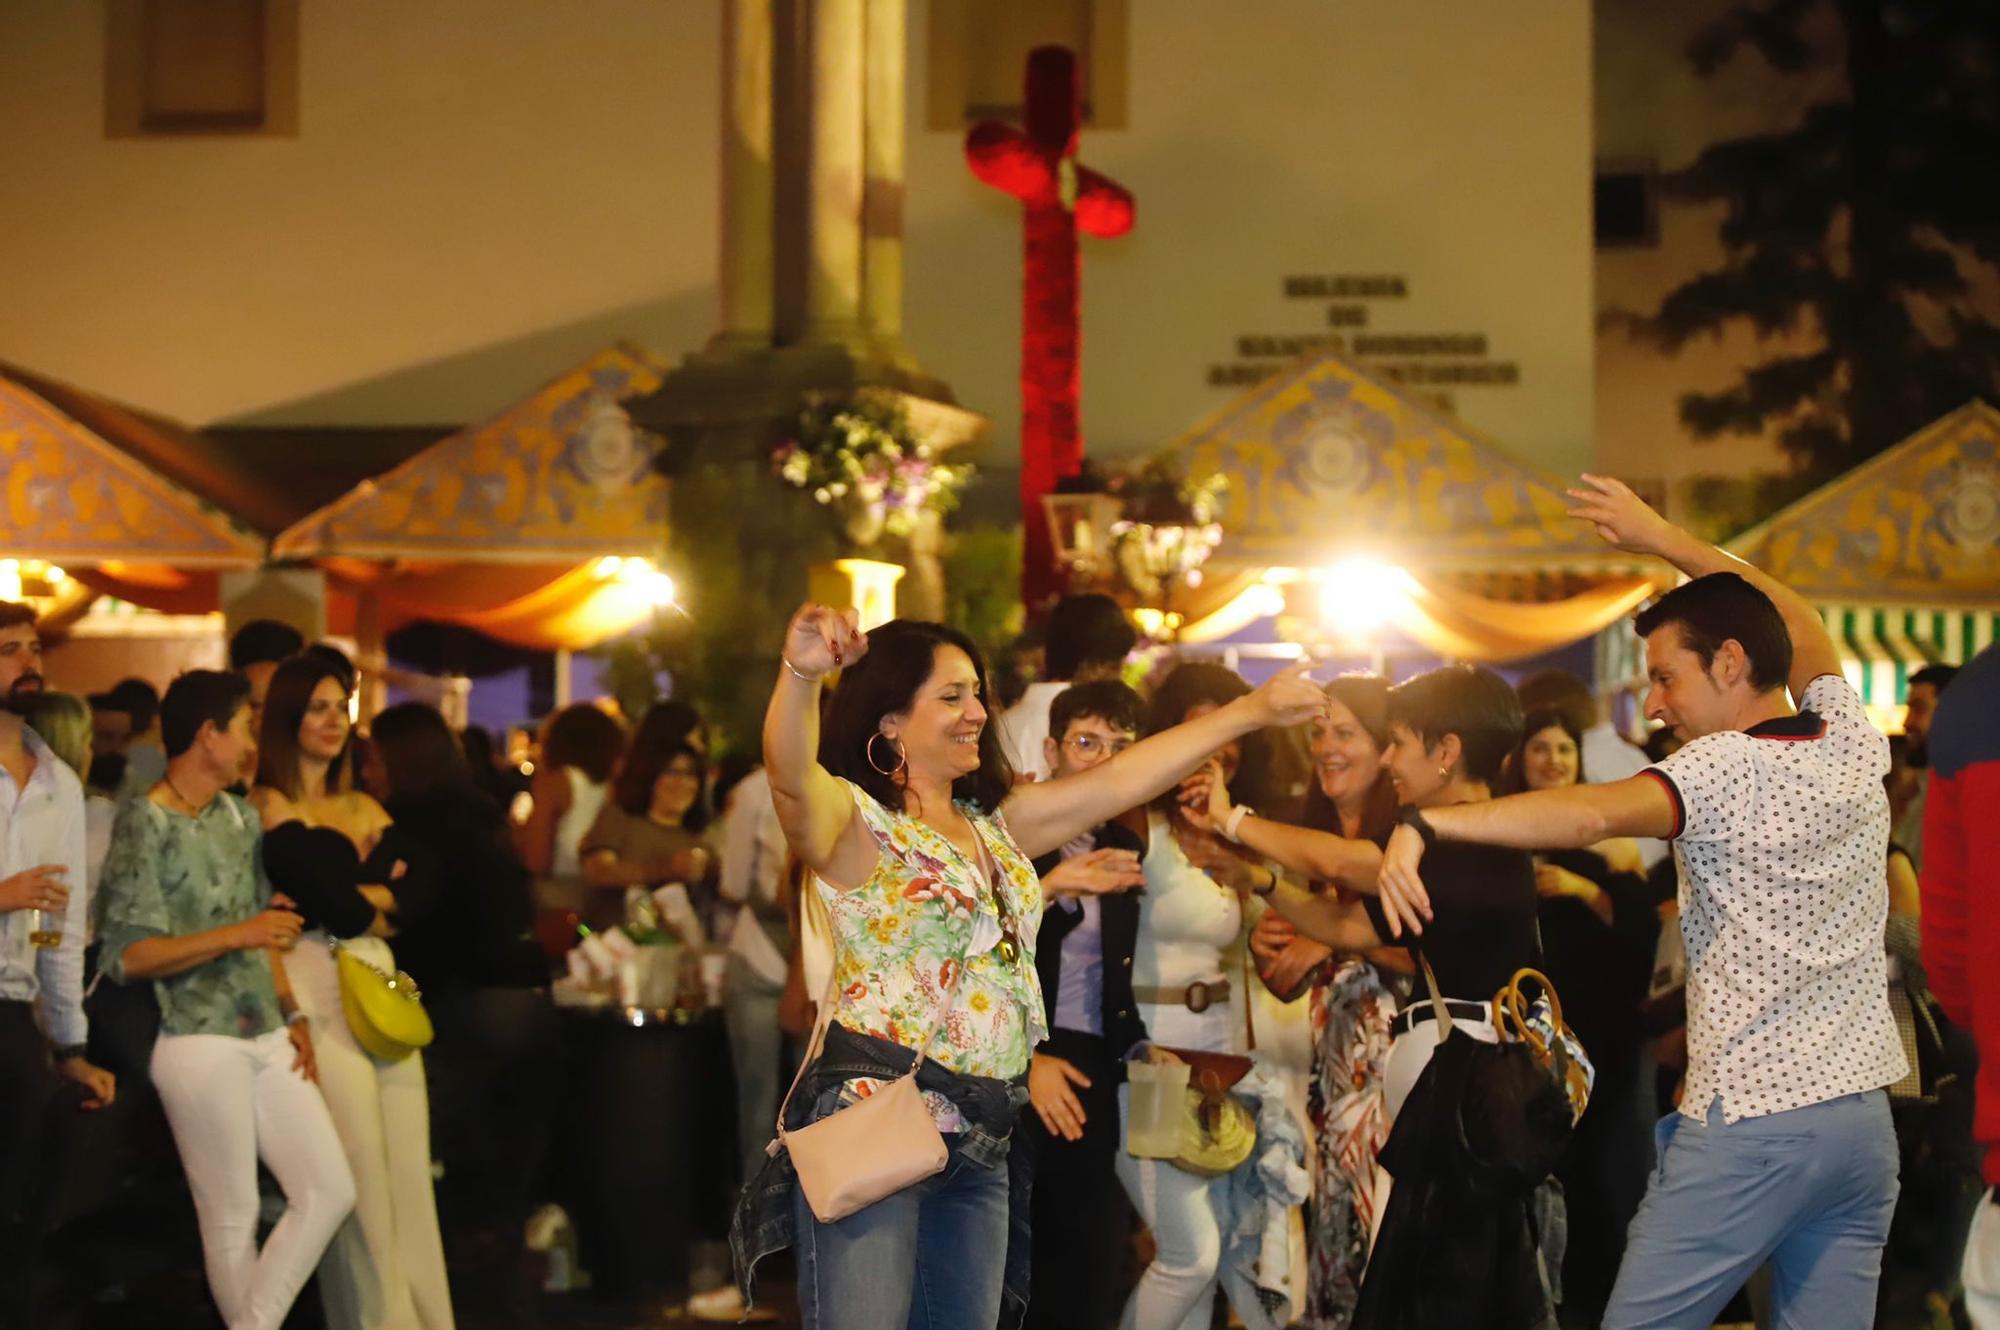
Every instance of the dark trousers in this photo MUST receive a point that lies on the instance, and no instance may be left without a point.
(494, 1075)
(35, 1111)
(1082, 1220)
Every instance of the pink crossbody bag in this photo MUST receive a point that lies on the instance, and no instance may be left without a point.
(853, 1158)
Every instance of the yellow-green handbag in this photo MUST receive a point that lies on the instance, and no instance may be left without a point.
(384, 1011)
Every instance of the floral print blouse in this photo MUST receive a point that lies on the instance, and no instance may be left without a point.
(899, 935)
(169, 875)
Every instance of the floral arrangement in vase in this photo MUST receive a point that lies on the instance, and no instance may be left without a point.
(861, 455)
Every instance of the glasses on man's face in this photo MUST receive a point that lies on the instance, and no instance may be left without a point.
(1087, 746)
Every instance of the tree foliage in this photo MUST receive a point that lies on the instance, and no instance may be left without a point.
(1862, 239)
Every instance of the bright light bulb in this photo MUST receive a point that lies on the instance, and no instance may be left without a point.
(1357, 596)
(658, 587)
(607, 567)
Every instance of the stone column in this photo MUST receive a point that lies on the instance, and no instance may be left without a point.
(834, 173)
(748, 177)
(882, 154)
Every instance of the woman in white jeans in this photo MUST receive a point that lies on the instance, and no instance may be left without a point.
(1187, 978)
(184, 904)
(386, 1269)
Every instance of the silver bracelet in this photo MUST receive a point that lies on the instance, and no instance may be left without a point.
(805, 678)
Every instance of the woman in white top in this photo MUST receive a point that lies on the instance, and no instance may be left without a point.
(580, 746)
(1187, 977)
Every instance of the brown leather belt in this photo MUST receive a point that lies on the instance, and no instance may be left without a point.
(1197, 996)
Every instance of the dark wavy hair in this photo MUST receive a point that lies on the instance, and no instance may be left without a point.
(582, 736)
(632, 787)
(1367, 696)
(1515, 779)
(285, 704)
(901, 656)
(1195, 683)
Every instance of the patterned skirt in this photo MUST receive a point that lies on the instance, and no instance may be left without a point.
(1351, 1012)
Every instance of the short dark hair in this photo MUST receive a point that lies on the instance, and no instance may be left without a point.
(1085, 631)
(198, 698)
(1722, 607)
(13, 614)
(137, 699)
(292, 687)
(1473, 703)
(584, 737)
(901, 655)
(421, 757)
(1937, 676)
(262, 641)
(1108, 700)
(1562, 690)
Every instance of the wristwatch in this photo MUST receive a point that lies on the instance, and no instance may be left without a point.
(1414, 817)
(64, 1052)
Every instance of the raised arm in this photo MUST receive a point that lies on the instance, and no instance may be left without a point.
(1048, 814)
(1623, 519)
(1318, 855)
(816, 811)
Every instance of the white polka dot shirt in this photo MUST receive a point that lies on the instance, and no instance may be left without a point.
(1783, 851)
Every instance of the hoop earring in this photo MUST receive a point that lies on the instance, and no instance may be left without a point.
(902, 757)
(1444, 773)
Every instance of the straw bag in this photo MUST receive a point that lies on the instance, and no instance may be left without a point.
(1219, 1131)
(1551, 1043)
(384, 1011)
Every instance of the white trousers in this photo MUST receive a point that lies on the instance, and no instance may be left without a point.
(1980, 1270)
(385, 1268)
(1185, 1212)
(231, 1102)
(1409, 1054)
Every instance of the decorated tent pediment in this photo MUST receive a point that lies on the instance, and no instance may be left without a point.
(1325, 462)
(561, 477)
(73, 497)
(1917, 525)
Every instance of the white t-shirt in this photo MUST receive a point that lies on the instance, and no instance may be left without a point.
(1782, 845)
(1608, 756)
(1024, 725)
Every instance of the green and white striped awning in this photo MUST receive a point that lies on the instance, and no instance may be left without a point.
(1881, 648)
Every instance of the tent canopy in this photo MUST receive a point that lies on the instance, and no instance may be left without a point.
(518, 527)
(558, 478)
(1325, 462)
(1902, 554)
(1918, 525)
(1473, 552)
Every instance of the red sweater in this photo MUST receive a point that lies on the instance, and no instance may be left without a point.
(1961, 878)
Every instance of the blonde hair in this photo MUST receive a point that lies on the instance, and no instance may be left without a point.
(63, 722)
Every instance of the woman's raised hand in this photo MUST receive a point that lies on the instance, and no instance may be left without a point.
(1204, 797)
(1289, 698)
(822, 639)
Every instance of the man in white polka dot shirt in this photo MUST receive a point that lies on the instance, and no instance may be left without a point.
(1782, 1150)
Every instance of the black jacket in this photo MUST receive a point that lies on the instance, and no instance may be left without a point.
(1119, 920)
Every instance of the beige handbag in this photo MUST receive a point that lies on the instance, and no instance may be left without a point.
(853, 1158)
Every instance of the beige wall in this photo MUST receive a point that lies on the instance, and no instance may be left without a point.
(483, 191)
(1651, 104)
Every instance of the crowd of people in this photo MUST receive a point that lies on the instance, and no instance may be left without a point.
(1044, 936)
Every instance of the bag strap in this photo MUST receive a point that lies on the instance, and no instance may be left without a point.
(1441, 1012)
(825, 1019)
(1249, 1001)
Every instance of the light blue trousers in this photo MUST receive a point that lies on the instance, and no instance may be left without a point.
(1809, 1190)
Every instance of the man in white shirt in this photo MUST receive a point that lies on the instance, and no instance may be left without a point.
(1088, 638)
(1782, 1150)
(42, 1027)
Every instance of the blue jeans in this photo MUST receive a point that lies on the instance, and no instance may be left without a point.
(930, 1257)
(1810, 1190)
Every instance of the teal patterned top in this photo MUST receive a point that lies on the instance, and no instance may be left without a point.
(170, 875)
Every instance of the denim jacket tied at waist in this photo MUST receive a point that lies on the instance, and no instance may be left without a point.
(764, 1220)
